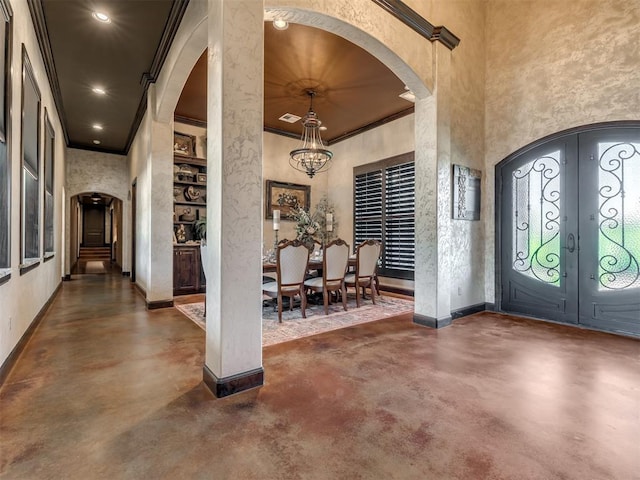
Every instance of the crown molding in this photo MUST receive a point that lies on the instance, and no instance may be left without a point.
(418, 23)
(190, 121)
(40, 26)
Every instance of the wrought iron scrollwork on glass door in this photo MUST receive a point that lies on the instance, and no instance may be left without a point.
(536, 227)
(619, 215)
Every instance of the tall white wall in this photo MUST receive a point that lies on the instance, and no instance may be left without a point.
(23, 296)
(553, 68)
(138, 163)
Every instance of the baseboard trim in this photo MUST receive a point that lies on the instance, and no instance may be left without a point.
(431, 322)
(159, 304)
(13, 357)
(399, 290)
(141, 291)
(223, 387)
(470, 310)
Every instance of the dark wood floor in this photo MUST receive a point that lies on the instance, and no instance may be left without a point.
(107, 389)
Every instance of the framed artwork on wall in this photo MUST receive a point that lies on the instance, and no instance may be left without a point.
(286, 197)
(184, 144)
(466, 193)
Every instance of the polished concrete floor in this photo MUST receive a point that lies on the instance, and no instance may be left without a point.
(107, 390)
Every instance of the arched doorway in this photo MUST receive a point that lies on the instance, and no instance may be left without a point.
(569, 228)
(96, 233)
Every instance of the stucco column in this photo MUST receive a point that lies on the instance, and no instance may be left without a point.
(433, 199)
(160, 165)
(234, 196)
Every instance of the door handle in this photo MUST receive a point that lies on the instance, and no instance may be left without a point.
(571, 243)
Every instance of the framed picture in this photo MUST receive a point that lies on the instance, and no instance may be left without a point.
(184, 144)
(466, 193)
(202, 178)
(286, 197)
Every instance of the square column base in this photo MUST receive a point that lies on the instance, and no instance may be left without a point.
(223, 387)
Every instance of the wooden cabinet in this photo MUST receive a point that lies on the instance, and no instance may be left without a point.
(189, 206)
(188, 276)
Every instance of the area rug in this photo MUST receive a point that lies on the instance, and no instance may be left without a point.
(95, 267)
(294, 326)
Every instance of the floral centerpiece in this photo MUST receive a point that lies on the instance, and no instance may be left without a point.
(307, 227)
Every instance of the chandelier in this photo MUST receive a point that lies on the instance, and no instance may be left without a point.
(312, 157)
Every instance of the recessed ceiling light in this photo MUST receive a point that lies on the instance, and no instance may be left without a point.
(98, 91)
(96, 142)
(280, 24)
(101, 17)
(97, 126)
(323, 128)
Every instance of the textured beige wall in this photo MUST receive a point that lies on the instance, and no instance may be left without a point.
(554, 65)
(466, 20)
(22, 296)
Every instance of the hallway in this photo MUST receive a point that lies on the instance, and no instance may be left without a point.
(106, 389)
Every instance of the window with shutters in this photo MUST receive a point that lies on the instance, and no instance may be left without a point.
(5, 167)
(384, 209)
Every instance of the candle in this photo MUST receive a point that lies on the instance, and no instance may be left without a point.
(329, 221)
(276, 219)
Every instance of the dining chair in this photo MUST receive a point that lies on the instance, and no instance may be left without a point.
(292, 258)
(335, 260)
(367, 254)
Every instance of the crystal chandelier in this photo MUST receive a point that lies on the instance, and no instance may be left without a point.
(312, 157)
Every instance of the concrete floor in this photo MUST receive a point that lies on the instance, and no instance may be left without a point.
(108, 390)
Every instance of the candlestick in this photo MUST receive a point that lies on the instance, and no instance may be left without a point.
(329, 222)
(276, 220)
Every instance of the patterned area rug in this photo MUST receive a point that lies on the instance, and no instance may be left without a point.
(294, 326)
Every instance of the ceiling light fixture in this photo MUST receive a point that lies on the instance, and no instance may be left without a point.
(98, 91)
(408, 95)
(96, 142)
(97, 126)
(311, 157)
(280, 24)
(101, 17)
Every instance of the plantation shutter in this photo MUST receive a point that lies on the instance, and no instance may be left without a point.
(368, 206)
(400, 218)
(384, 209)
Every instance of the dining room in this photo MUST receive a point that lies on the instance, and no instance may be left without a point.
(365, 120)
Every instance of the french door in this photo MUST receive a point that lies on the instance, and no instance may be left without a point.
(569, 230)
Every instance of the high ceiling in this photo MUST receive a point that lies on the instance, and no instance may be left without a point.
(353, 89)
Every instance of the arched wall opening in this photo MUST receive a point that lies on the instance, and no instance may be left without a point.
(96, 229)
(415, 66)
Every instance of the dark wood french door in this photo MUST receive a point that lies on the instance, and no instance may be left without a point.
(569, 229)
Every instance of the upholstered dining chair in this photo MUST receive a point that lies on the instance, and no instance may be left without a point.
(335, 261)
(367, 254)
(292, 258)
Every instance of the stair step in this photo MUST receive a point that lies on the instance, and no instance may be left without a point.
(98, 253)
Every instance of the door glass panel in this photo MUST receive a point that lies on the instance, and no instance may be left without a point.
(536, 225)
(619, 215)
